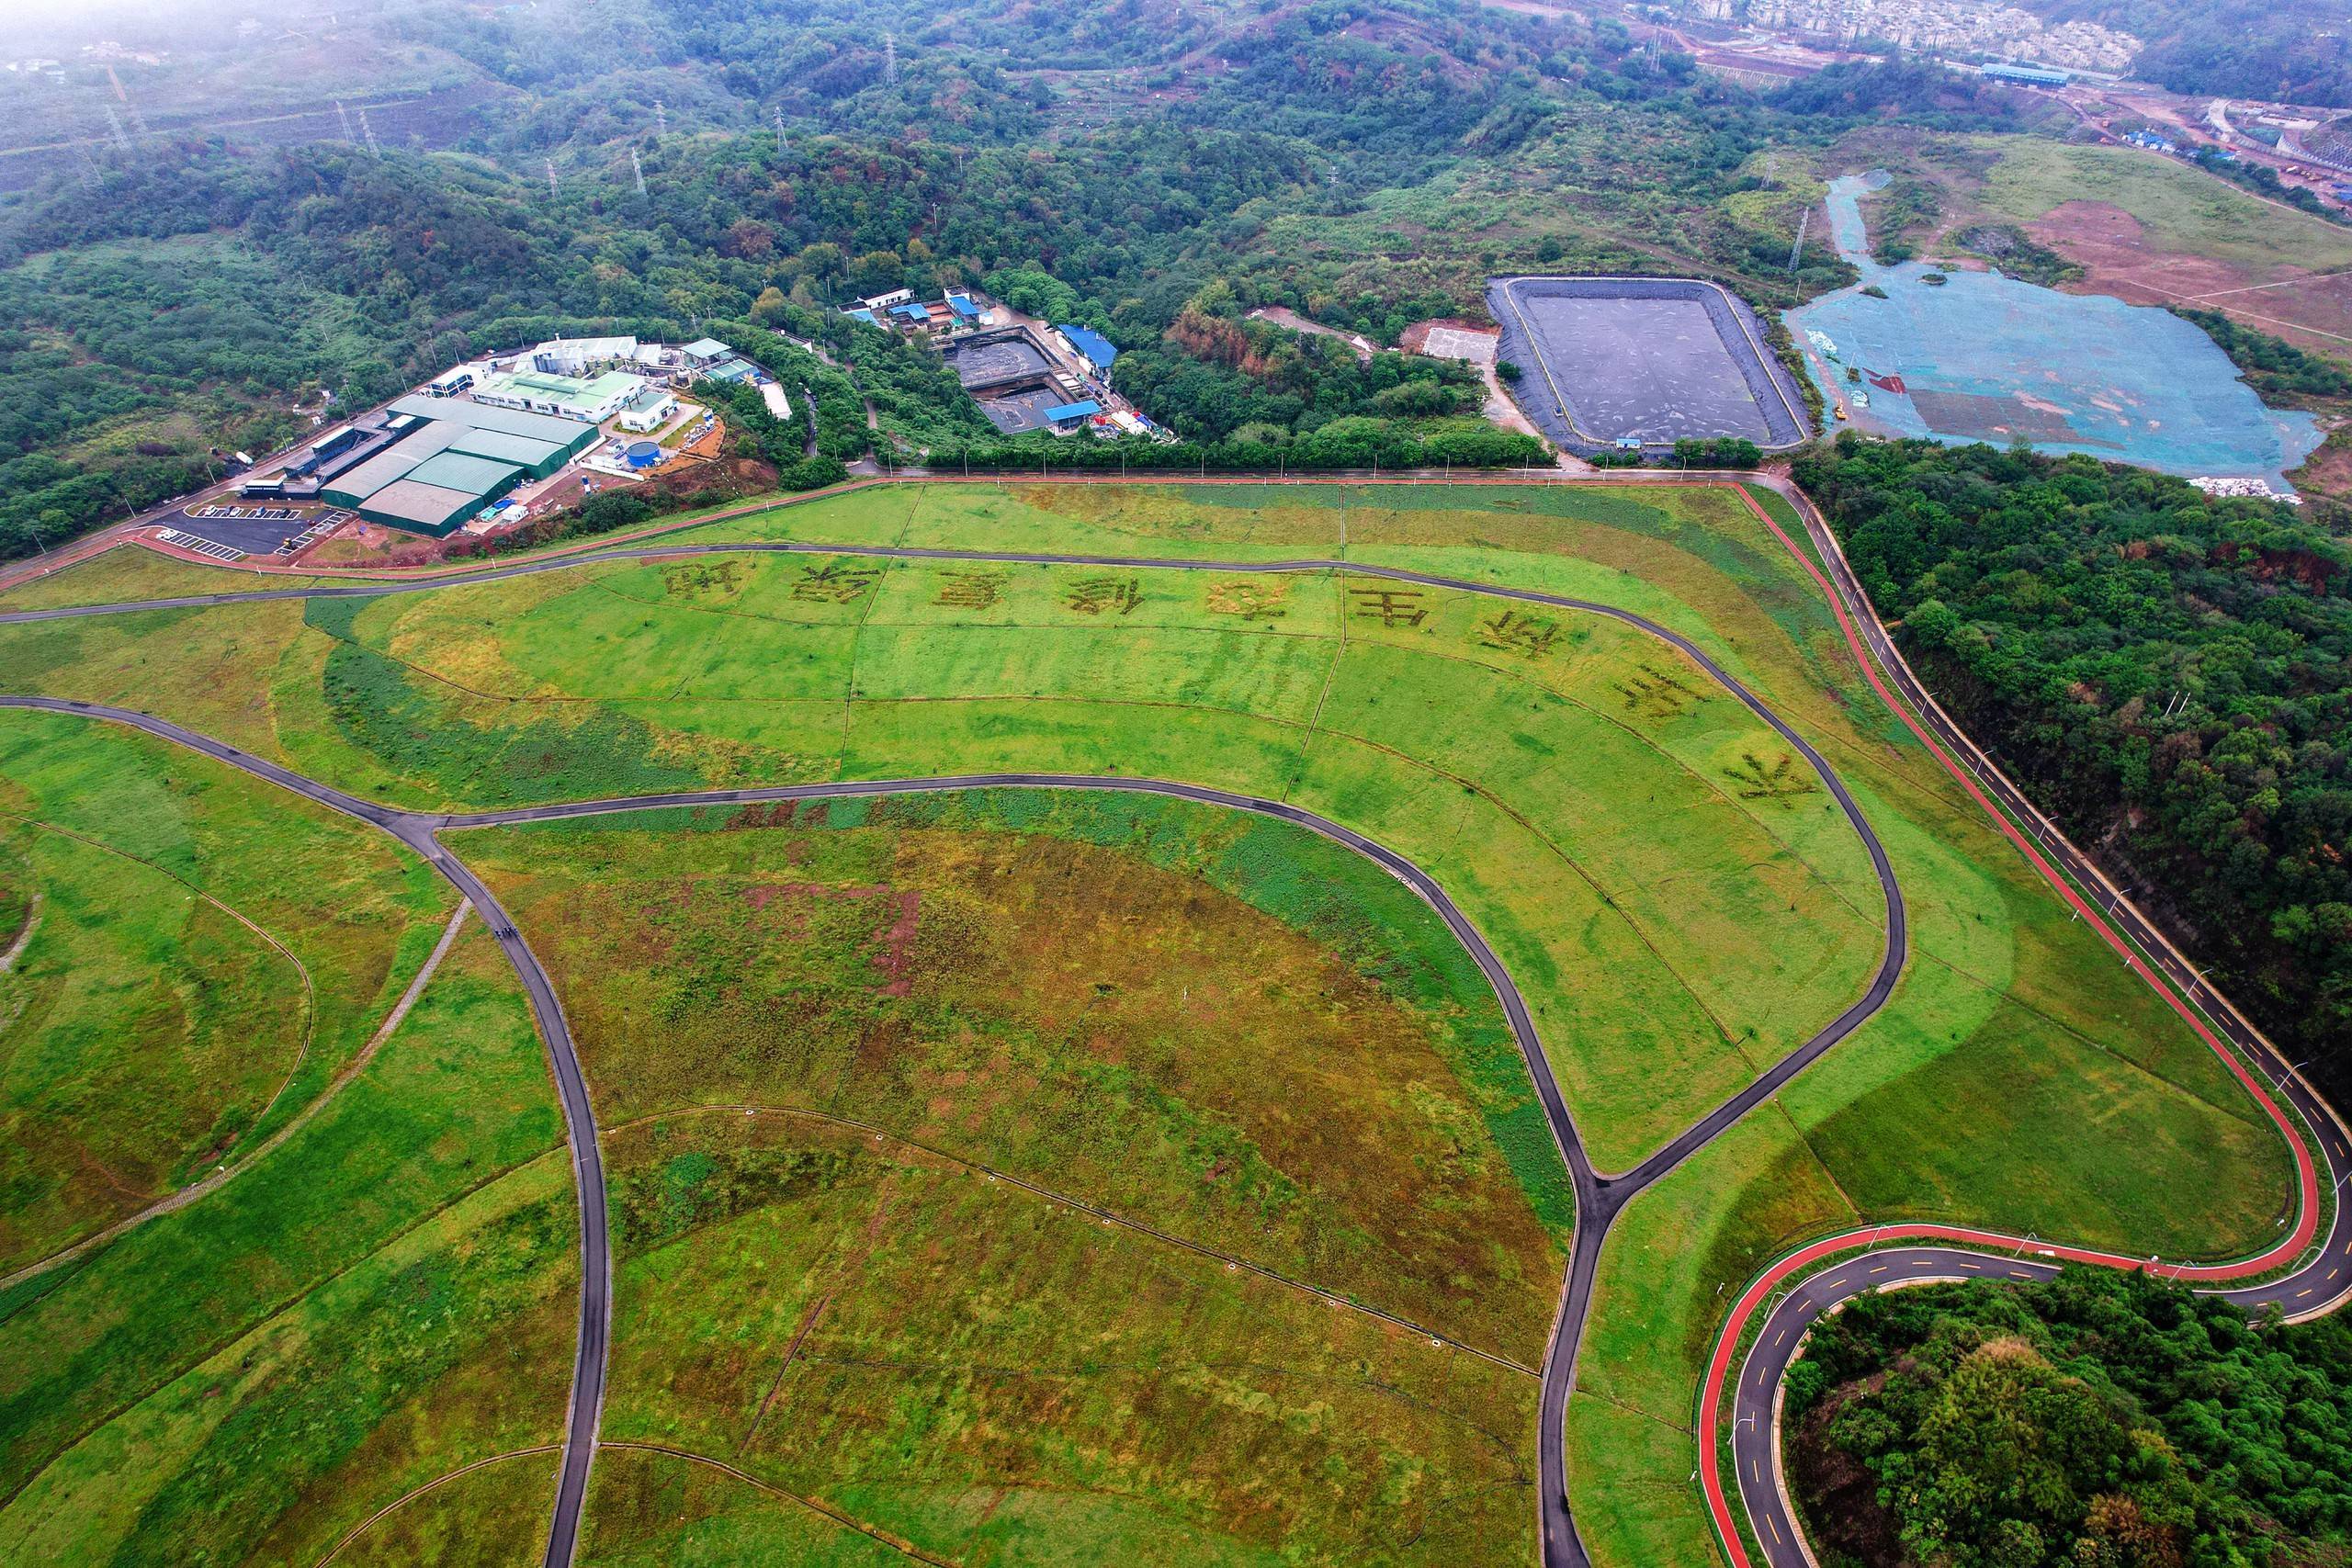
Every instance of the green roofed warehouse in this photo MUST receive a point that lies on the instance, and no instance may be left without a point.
(420, 508)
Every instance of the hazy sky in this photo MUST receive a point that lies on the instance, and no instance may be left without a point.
(153, 24)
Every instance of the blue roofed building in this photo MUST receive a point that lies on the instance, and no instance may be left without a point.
(911, 315)
(1072, 413)
(2025, 75)
(963, 307)
(1094, 345)
(862, 314)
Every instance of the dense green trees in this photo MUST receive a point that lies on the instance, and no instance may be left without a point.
(2101, 1420)
(2170, 673)
(2274, 367)
(1912, 92)
(1213, 372)
(1352, 443)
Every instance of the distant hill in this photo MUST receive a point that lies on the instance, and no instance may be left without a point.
(2293, 51)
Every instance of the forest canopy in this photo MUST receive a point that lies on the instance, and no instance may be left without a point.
(2101, 1420)
(1150, 170)
(2170, 673)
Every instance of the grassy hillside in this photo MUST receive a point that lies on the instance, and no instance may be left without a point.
(1677, 905)
(860, 1060)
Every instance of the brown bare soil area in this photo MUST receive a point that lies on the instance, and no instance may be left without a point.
(1070, 1013)
(2327, 473)
(369, 544)
(2313, 311)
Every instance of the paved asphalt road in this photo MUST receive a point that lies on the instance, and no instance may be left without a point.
(1599, 1196)
(2319, 1284)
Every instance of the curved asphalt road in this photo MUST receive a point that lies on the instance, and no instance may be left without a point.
(1862, 1261)
(1599, 1196)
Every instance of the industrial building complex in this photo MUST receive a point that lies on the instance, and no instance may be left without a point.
(451, 452)
(426, 464)
(1026, 376)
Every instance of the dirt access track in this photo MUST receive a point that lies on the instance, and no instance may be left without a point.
(2310, 308)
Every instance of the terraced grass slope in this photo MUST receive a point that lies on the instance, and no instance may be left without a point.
(184, 965)
(1672, 885)
(1006, 1173)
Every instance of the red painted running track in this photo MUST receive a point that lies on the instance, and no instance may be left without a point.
(2306, 1170)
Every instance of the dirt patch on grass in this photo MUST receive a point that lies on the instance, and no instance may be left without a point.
(2310, 310)
(2325, 476)
(1838, 1496)
(359, 544)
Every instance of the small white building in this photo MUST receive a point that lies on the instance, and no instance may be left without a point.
(880, 302)
(650, 409)
(579, 356)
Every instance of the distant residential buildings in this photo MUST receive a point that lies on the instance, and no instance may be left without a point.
(1967, 30)
(2025, 75)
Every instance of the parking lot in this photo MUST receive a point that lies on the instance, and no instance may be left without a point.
(251, 530)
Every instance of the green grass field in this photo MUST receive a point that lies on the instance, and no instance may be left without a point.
(198, 957)
(1224, 1027)
(130, 571)
(362, 1307)
(1672, 893)
(2182, 210)
(1619, 827)
(385, 1297)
